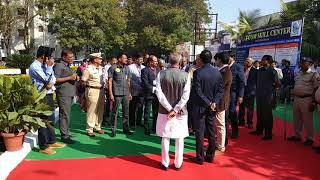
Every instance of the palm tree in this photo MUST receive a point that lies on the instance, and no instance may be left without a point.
(248, 21)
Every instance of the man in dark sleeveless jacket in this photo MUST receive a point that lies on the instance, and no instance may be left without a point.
(173, 90)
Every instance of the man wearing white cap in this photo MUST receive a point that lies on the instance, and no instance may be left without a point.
(94, 81)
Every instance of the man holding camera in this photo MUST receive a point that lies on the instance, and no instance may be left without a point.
(41, 73)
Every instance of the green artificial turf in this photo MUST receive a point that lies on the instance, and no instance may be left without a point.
(103, 145)
(285, 112)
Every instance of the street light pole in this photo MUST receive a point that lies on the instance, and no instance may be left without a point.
(198, 29)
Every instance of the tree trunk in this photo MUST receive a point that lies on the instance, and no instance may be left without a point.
(23, 71)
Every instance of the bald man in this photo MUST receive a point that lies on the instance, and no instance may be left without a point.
(249, 94)
(148, 84)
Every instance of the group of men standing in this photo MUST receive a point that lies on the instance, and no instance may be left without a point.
(212, 94)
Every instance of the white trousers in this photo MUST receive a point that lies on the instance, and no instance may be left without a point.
(221, 130)
(178, 153)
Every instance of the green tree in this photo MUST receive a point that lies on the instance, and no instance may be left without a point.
(8, 22)
(95, 24)
(309, 9)
(161, 25)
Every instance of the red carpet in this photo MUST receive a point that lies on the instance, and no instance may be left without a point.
(247, 158)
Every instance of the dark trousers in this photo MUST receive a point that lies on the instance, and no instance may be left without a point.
(151, 104)
(233, 117)
(124, 101)
(190, 117)
(285, 94)
(107, 112)
(47, 135)
(264, 115)
(204, 122)
(64, 103)
(248, 103)
(135, 111)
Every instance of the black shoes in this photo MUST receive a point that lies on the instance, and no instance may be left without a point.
(129, 133)
(234, 136)
(267, 138)
(147, 133)
(163, 167)
(167, 168)
(294, 138)
(178, 169)
(308, 142)
(67, 140)
(256, 133)
(208, 159)
(242, 123)
(250, 126)
(197, 160)
(316, 149)
(113, 134)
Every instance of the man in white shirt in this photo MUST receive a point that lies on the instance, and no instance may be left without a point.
(136, 104)
(279, 71)
(112, 60)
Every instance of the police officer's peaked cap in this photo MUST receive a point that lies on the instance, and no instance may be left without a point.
(95, 55)
(307, 59)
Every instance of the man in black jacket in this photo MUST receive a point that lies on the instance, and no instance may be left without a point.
(267, 82)
(208, 84)
(148, 77)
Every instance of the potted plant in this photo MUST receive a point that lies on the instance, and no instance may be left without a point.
(21, 110)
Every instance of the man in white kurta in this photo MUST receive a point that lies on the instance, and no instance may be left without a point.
(172, 90)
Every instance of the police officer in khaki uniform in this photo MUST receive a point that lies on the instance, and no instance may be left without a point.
(306, 83)
(94, 82)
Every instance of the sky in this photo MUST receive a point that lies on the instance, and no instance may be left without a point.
(228, 10)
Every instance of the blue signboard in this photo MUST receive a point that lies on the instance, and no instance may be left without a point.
(280, 41)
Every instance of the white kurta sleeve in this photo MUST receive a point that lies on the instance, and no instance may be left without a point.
(185, 96)
(161, 97)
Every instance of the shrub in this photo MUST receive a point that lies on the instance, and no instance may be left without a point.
(21, 61)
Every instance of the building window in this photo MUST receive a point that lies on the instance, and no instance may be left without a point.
(41, 29)
(21, 32)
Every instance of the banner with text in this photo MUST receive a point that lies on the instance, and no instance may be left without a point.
(281, 42)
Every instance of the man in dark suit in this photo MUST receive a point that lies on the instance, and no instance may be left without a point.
(236, 93)
(249, 94)
(148, 77)
(267, 82)
(208, 84)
